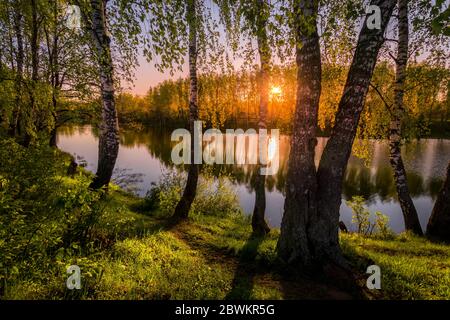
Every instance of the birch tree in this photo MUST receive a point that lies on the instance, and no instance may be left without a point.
(69, 65)
(18, 29)
(258, 22)
(410, 42)
(309, 230)
(255, 16)
(174, 30)
(259, 223)
(301, 185)
(438, 228)
(409, 211)
(188, 196)
(101, 27)
(108, 147)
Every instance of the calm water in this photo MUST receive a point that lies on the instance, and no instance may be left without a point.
(146, 154)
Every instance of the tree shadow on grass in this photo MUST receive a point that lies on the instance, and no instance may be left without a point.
(306, 287)
(323, 282)
(244, 276)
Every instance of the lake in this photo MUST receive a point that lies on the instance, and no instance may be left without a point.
(145, 154)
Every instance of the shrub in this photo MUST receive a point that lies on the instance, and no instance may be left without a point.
(382, 226)
(214, 195)
(81, 210)
(362, 218)
(360, 215)
(41, 211)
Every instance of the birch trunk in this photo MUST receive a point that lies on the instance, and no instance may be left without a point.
(324, 238)
(34, 46)
(55, 74)
(259, 224)
(184, 205)
(108, 147)
(438, 228)
(409, 211)
(301, 185)
(15, 125)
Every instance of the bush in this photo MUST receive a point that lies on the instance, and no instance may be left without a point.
(362, 218)
(81, 210)
(41, 212)
(382, 226)
(214, 195)
(360, 215)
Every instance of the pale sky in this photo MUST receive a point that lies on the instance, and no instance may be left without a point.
(147, 76)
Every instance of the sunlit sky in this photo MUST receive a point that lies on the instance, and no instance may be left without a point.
(147, 76)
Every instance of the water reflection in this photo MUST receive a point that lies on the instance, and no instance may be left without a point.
(147, 152)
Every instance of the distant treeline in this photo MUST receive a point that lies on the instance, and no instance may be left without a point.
(231, 100)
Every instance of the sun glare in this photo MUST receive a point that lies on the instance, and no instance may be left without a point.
(275, 90)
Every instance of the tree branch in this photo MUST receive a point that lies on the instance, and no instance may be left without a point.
(387, 105)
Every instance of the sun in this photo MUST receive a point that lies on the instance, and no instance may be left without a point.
(275, 90)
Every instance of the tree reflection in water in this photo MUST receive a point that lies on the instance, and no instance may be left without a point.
(144, 153)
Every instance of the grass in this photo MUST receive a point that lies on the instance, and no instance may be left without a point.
(169, 263)
(159, 266)
(215, 258)
(411, 267)
(134, 254)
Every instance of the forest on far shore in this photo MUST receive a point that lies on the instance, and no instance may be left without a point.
(231, 101)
